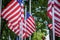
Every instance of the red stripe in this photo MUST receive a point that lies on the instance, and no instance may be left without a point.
(32, 20)
(7, 5)
(14, 27)
(57, 31)
(12, 13)
(50, 4)
(14, 16)
(57, 34)
(50, 10)
(30, 28)
(9, 8)
(58, 24)
(57, 27)
(26, 32)
(50, 16)
(58, 1)
(16, 24)
(57, 11)
(30, 24)
(57, 15)
(10, 25)
(32, 17)
(50, 26)
(18, 33)
(57, 5)
(27, 29)
(17, 29)
(57, 21)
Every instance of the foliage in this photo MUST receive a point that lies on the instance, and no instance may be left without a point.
(38, 35)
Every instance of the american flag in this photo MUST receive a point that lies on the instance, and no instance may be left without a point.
(29, 25)
(14, 14)
(56, 6)
(50, 26)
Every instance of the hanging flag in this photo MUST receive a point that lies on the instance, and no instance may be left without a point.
(50, 26)
(29, 25)
(14, 14)
(56, 6)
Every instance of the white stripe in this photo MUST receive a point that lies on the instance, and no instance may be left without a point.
(19, 34)
(16, 21)
(22, 10)
(30, 23)
(57, 2)
(50, 25)
(26, 31)
(12, 15)
(28, 35)
(32, 20)
(22, 4)
(17, 31)
(49, 1)
(23, 35)
(22, 15)
(57, 29)
(15, 27)
(49, 7)
(30, 26)
(14, 18)
(10, 26)
(29, 29)
(50, 13)
(57, 25)
(57, 8)
(57, 19)
(10, 10)
(57, 13)
(57, 33)
(8, 7)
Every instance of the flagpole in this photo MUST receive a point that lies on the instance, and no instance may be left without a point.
(21, 29)
(25, 18)
(0, 15)
(21, 32)
(30, 13)
(9, 37)
(53, 20)
(30, 6)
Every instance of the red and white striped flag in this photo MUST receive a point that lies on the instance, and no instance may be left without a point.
(50, 26)
(29, 25)
(56, 6)
(14, 14)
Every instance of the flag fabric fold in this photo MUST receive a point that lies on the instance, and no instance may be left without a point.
(56, 6)
(14, 13)
(29, 25)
